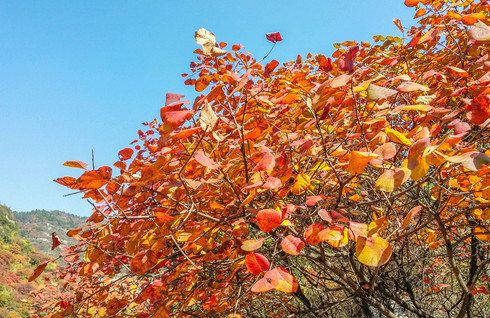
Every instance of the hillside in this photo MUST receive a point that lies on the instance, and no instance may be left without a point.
(37, 226)
(18, 258)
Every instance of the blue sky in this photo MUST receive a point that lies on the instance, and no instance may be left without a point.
(83, 75)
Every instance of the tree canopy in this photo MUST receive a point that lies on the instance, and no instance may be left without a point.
(355, 185)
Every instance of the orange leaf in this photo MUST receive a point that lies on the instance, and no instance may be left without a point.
(38, 271)
(282, 280)
(163, 217)
(203, 82)
(69, 182)
(471, 19)
(312, 232)
(256, 263)
(94, 179)
(76, 164)
(268, 219)
(398, 24)
(413, 212)
(482, 234)
(385, 151)
(335, 235)
(457, 72)
(411, 3)
(270, 67)
(252, 245)
(359, 160)
(292, 245)
(143, 261)
(373, 251)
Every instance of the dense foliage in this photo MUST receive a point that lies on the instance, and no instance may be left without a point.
(356, 185)
(17, 260)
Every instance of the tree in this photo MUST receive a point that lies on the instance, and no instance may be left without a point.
(356, 185)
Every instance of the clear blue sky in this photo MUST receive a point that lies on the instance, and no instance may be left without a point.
(83, 75)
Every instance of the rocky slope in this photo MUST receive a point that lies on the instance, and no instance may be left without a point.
(37, 226)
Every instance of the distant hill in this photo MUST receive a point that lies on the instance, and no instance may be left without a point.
(18, 258)
(37, 226)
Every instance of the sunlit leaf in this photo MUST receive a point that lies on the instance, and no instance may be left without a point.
(377, 92)
(252, 245)
(76, 164)
(373, 251)
(359, 160)
(256, 263)
(292, 245)
(282, 280)
(302, 182)
(38, 271)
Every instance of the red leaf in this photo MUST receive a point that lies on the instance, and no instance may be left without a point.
(171, 98)
(324, 64)
(292, 245)
(338, 216)
(324, 215)
(311, 234)
(266, 163)
(125, 154)
(256, 263)
(274, 37)
(478, 111)
(268, 219)
(56, 241)
(312, 200)
(38, 271)
(346, 60)
(272, 183)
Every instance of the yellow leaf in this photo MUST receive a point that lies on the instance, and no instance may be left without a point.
(301, 183)
(397, 137)
(373, 251)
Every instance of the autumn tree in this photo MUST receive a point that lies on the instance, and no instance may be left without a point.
(355, 185)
